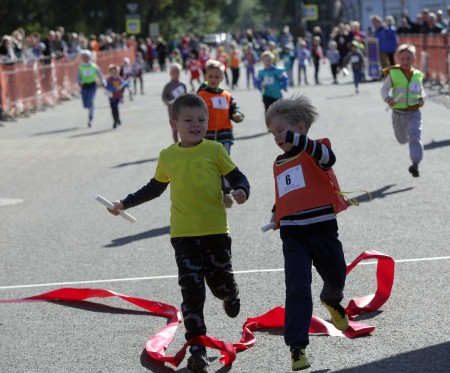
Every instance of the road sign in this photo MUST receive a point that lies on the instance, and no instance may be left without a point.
(310, 12)
(133, 24)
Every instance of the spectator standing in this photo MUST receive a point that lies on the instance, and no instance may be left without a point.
(317, 56)
(139, 68)
(303, 60)
(127, 73)
(387, 39)
(334, 58)
(343, 39)
(161, 50)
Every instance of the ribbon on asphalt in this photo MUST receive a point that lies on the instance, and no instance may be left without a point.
(157, 344)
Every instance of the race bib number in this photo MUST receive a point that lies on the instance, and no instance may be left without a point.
(178, 91)
(414, 87)
(290, 180)
(268, 80)
(219, 103)
(355, 59)
(87, 72)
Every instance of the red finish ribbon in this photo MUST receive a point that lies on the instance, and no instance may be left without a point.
(274, 318)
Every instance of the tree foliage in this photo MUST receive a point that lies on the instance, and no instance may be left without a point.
(172, 16)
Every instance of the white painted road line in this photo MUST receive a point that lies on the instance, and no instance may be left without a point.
(175, 276)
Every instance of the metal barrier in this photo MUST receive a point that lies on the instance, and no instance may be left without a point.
(432, 57)
(29, 87)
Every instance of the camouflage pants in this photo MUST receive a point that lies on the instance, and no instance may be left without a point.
(200, 259)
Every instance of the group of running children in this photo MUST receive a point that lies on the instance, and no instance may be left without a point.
(205, 181)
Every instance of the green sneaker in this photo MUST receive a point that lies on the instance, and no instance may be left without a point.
(339, 317)
(299, 359)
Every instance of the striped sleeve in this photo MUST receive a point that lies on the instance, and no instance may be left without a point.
(323, 154)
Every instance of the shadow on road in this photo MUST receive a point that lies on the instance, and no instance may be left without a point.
(252, 136)
(100, 308)
(380, 193)
(91, 133)
(135, 162)
(56, 131)
(436, 144)
(430, 359)
(121, 241)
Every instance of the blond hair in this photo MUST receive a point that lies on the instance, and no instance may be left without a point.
(407, 48)
(294, 110)
(214, 64)
(268, 53)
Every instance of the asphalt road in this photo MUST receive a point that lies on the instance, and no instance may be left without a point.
(53, 234)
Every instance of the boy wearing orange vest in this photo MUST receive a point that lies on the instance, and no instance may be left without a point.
(305, 210)
(406, 98)
(222, 109)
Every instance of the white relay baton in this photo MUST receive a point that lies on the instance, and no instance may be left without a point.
(268, 227)
(109, 204)
(396, 100)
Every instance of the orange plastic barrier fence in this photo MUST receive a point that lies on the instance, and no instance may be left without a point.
(432, 56)
(27, 87)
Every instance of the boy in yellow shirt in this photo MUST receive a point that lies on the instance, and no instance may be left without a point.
(198, 222)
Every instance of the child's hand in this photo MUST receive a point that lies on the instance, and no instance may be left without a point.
(239, 196)
(274, 220)
(118, 206)
(237, 117)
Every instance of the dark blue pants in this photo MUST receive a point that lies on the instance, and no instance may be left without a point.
(324, 251)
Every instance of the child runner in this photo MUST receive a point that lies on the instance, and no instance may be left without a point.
(193, 66)
(223, 57)
(114, 86)
(235, 63)
(249, 62)
(139, 67)
(271, 80)
(198, 223)
(222, 109)
(305, 212)
(203, 57)
(172, 90)
(87, 75)
(288, 57)
(356, 58)
(406, 97)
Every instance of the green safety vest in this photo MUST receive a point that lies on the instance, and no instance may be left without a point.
(410, 89)
(88, 73)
